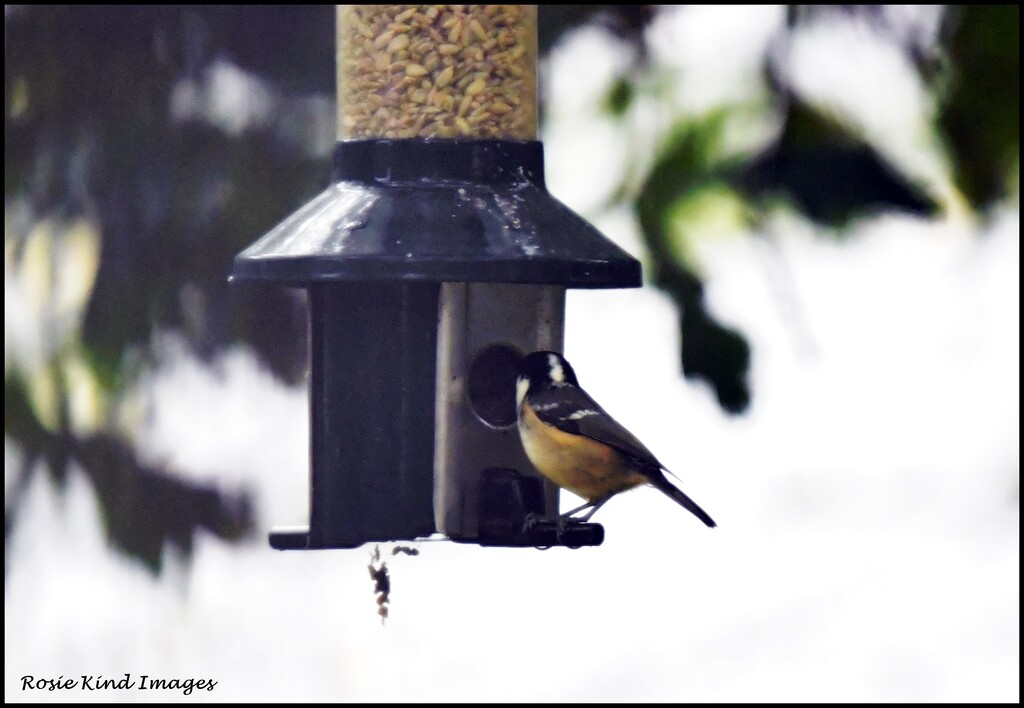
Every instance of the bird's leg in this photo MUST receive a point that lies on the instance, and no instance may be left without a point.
(578, 509)
(595, 506)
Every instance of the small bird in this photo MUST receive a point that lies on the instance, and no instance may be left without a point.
(573, 442)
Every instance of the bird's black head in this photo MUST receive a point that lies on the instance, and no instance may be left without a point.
(540, 370)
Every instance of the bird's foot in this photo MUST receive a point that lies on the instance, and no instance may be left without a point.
(531, 521)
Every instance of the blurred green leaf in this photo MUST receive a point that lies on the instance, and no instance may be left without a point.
(709, 350)
(826, 172)
(619, 96)
(980, 113)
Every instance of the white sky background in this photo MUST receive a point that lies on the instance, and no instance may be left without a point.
(868, 503)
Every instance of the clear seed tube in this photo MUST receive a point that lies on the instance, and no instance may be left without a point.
(437, 71)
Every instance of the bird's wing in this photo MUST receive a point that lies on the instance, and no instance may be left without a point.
(570, 409)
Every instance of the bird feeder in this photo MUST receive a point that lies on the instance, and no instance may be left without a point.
(434, 261)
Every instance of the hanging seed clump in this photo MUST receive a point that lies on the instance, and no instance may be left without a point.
(437, 71)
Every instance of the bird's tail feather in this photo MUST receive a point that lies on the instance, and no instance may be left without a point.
(661, 482)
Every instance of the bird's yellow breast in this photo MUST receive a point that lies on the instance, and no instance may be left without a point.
(584, 466)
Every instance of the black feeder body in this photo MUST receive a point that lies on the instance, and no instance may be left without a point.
(433, 266)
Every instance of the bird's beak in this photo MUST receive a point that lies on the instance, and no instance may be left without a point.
(522, 386)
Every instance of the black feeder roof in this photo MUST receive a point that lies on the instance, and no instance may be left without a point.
(442, 211)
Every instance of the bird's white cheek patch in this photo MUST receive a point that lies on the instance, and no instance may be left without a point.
(557, 374)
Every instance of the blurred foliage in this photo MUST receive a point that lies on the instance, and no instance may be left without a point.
(980, 114)
(625, 21)
(818, 164)
(90, 129)
(830, 175)
(710, 350)
(125, 116)
(143, 508)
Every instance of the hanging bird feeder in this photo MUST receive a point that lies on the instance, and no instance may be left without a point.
(434, 261)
